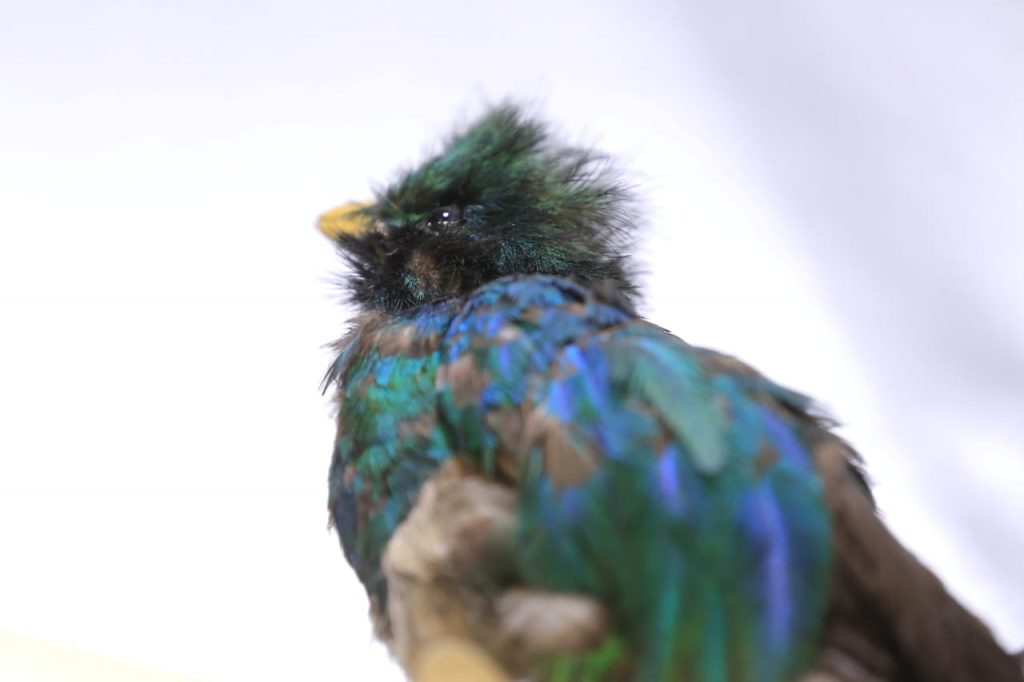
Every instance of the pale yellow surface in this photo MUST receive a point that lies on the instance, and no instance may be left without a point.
(456, 661)
(30, 660)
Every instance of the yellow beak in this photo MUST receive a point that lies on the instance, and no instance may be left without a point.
(344, 220)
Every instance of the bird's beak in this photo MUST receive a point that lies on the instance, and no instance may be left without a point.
(349, 219)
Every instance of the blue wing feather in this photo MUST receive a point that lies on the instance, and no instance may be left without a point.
(674, 485)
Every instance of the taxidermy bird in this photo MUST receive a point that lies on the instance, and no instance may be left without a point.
(525, 464)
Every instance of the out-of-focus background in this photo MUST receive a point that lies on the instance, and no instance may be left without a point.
(833, 193)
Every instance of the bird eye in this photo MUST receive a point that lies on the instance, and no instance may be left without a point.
(442, 218)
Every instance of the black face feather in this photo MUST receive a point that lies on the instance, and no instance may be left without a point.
(502, 198)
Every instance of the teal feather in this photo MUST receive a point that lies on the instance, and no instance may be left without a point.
(675, 494)
(675, 485)
(649, 477)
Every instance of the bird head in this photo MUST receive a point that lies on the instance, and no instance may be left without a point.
(501, 198)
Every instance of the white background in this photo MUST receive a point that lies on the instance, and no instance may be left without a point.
(833, 194)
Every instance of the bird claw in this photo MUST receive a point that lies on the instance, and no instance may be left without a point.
(451, 573)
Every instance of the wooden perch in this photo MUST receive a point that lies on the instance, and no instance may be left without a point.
(456, 660)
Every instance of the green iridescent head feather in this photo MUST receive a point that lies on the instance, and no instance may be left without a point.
(502, 197)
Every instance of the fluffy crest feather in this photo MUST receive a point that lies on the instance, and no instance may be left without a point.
(501, 198)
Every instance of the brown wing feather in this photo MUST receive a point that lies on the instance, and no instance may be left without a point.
(891, 616)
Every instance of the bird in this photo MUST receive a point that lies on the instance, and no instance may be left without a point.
(524, 462)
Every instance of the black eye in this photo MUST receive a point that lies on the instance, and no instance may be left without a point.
(443, 217)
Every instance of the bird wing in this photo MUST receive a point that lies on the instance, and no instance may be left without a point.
(671, 482)
(705, 507)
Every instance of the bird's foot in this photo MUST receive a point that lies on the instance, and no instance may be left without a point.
(451, 576)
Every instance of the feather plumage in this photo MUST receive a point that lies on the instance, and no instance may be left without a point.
(709, 511)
